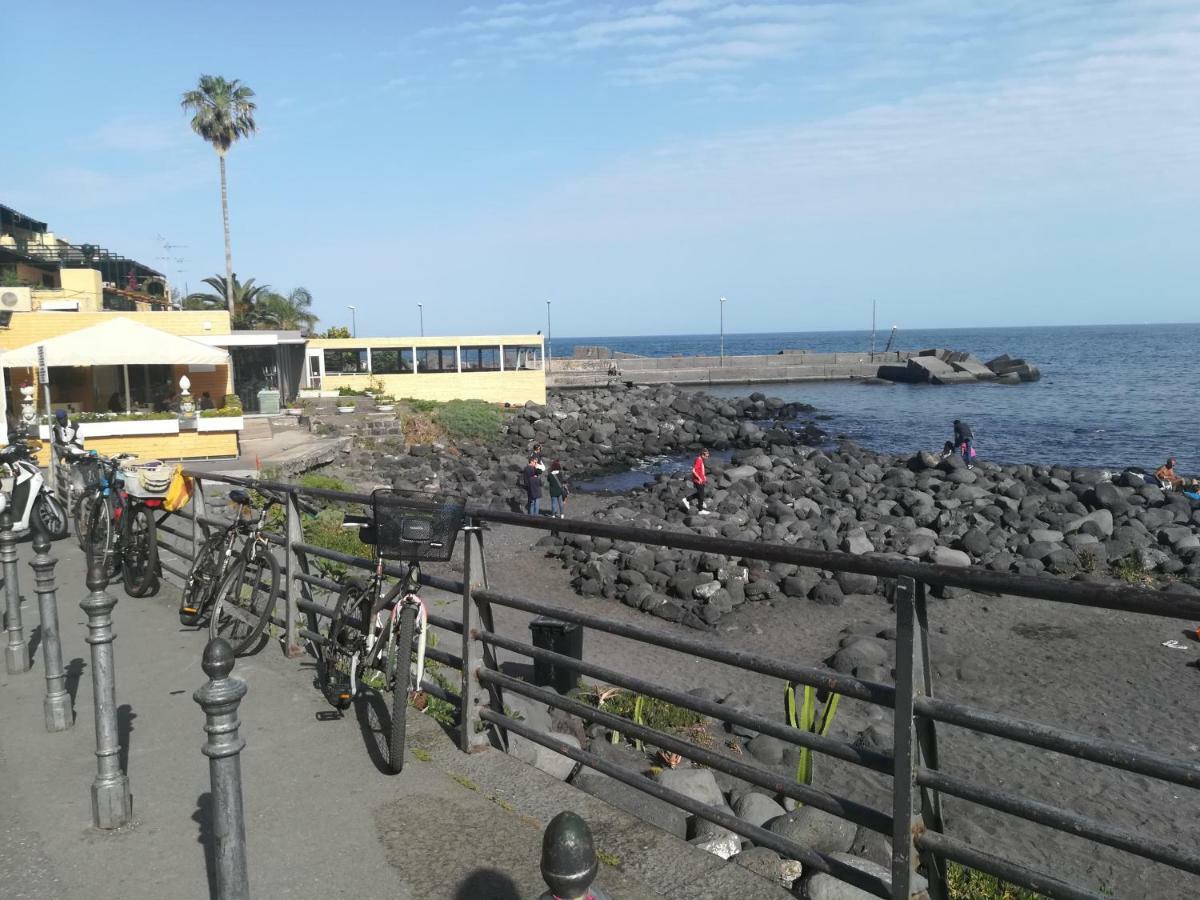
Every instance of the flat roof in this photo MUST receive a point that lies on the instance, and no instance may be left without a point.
(373, 343)
(245, 338)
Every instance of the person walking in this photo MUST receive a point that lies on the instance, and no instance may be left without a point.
(964, 440)
(557, 483)
(700, 482)
(532, 479)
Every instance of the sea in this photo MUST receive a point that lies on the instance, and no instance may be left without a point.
(1110, 396)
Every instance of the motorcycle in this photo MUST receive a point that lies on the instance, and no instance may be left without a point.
(31, 500)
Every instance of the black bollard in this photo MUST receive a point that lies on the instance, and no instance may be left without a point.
(220, 698)
(16, 652)
(112, 804)
(569, 862)
(57, 704)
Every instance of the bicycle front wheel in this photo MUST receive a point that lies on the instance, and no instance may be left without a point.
(399, 666)
(100, 534)
(244, 602)
(139, 552)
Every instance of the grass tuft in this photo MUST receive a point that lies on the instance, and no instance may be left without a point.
(969, 884)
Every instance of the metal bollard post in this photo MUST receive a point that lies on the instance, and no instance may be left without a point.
(220, 698)
(112, 804)
(16, 653)
(57, 704)
(569, 862)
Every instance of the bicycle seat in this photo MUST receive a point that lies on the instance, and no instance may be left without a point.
(240, 497)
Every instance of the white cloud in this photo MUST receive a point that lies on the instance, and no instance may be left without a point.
(133, 134)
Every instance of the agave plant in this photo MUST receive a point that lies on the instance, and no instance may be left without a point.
(811, 721)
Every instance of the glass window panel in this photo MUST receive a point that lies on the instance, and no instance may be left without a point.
(431, 360)
(522, 357)
(481, 359)
(345, 362)
(391, 361)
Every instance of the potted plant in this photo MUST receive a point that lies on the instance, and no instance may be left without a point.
(346, 405)
(385, 402)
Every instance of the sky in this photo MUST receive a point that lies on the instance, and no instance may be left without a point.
(960, 162)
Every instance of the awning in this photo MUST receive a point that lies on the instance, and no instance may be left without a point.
(116, 343)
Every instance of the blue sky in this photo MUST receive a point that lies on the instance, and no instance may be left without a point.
(962, 162)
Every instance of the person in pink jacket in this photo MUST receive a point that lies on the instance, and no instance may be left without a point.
(700, 480)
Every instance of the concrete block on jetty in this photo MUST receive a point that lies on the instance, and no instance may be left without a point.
(1005, 365)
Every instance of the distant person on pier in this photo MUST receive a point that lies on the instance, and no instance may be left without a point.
(964, 440)
(536, 453)
(1170, 480)
(557, 482)
(700, 481)
(531, 478)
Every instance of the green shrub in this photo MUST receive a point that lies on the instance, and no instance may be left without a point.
(1130, 571)
(469, 420)
(422, 405)
(321, 482)
(345, 391)
(81, 418)
(649, 711)
(969, 884)
(325, 530)
(223, 412)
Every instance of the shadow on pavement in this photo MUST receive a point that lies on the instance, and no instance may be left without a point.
(203, 818)
(375, 722)
(125, 717)
(35, 640)
(487, 884)
(73, 672)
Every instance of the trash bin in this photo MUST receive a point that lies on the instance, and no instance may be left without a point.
(565, 638)
(268, 402)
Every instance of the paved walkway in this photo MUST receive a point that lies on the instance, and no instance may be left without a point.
(321, 818)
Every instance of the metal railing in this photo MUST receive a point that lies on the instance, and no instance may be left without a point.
(914, 823)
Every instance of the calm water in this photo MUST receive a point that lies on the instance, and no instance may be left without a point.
(1110, 396)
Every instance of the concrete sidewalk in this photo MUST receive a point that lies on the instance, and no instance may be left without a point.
(321, 818)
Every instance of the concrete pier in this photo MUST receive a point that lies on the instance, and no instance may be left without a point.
(592, 368)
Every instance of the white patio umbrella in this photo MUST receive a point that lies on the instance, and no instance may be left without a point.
(120, 342)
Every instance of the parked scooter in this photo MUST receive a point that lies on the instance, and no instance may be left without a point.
(31, 499)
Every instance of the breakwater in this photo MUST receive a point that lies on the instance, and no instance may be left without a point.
(603, 367)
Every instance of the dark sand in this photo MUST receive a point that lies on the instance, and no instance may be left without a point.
(1095, 671)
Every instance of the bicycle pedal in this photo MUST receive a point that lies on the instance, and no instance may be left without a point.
(190, 610)
(330, 715)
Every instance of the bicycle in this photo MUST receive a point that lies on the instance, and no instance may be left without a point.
(120, 529)
(228, 586)
(374, 630)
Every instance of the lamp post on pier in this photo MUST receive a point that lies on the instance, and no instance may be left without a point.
(421, 317)
(722, 331)
(353, 321)
(549, 343)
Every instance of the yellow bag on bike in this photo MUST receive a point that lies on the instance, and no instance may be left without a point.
(179, 493)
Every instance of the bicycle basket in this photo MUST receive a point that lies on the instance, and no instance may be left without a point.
(90, 470)
(412, 525)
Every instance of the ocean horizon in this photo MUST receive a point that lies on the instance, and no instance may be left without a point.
(1111, 396)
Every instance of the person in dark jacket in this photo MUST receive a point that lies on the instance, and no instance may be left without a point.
(532, 479)
(557, 482)
(963, 440)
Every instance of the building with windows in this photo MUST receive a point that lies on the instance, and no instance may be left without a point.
(495, 368)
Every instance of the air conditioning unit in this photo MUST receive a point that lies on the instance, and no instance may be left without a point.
(15, 299)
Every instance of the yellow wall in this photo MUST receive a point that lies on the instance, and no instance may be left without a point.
(494, 387)
(27, 328)
(185, 445)
(84, 285)
(217, 383)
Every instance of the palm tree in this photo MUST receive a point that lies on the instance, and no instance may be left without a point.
(293, 312)
(223, 112)
(242, 299)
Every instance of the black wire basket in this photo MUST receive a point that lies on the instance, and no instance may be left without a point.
(415, 525)
(91, 471)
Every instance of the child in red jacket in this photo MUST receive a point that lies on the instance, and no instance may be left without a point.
(700, 480)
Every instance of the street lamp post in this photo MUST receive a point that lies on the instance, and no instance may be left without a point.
(421, 316)
(353, 321)
(722, 331)
(549, 343)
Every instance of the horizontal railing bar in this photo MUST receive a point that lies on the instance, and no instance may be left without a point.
(446, 659)
(1022, 876)
(879, 762)
(444, 623)
(178, 573)
(857, 813)
(323, 583)
(311, 635)
(1061, 820)
(812, 860)
(161, 526)
(871, 692)
(1129, 599)
(1109, 753)
(181, 552)
(311, 606)
(436, 690)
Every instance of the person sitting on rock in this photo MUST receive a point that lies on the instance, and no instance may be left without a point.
(963, 440)
(1168, 478)
(531, 478)
(700, 481)
(947, 449)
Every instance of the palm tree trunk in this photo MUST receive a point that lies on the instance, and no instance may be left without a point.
(228, 247)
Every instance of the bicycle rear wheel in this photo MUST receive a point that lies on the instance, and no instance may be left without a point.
(336, 652)
(139, 551)
(244, 601)
(399, 667)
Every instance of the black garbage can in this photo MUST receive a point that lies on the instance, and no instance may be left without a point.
(565, 638)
